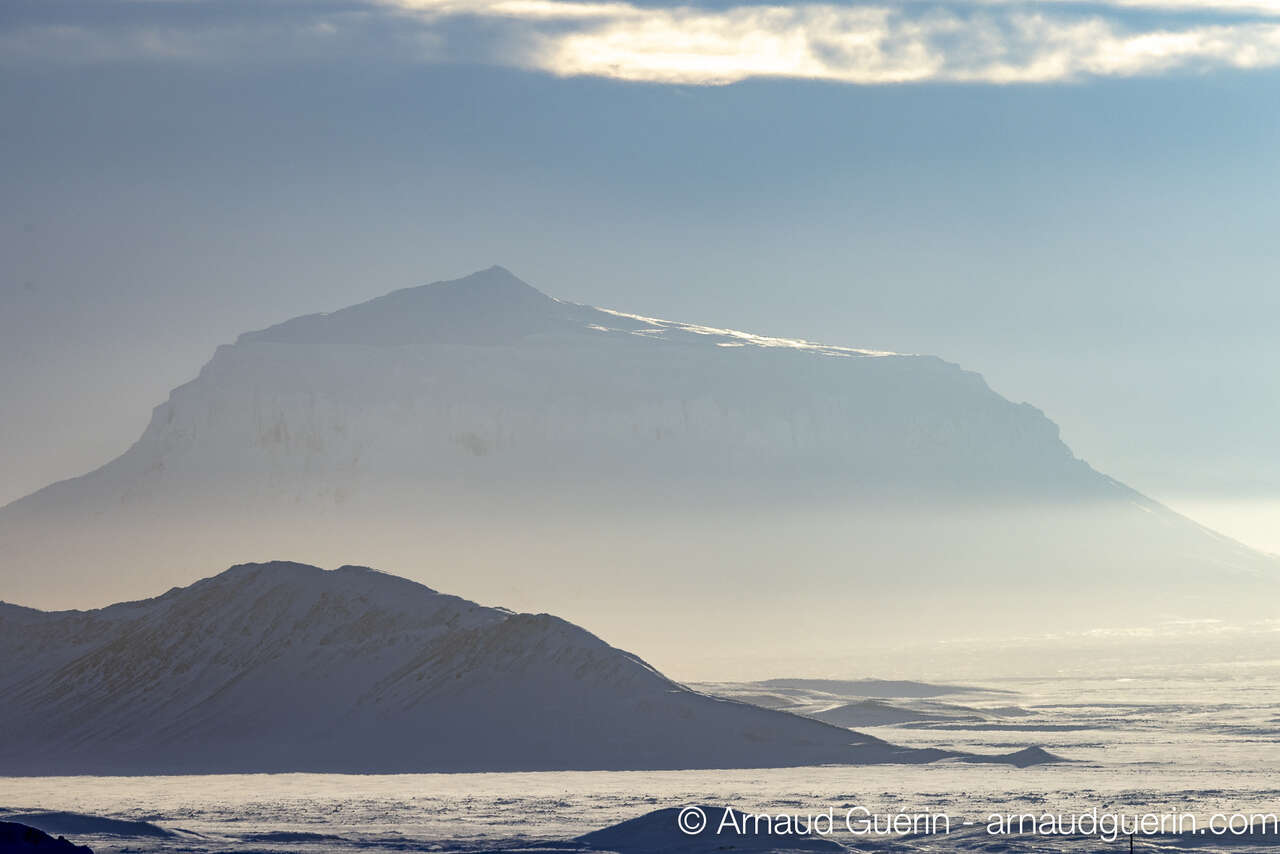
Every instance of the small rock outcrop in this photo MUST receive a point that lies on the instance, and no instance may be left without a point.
(21, 839)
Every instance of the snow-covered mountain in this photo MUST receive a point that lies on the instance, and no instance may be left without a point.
(283, 666)
(695, 492)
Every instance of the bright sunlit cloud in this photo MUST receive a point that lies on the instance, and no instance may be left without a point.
(877, 45)
(984, 41)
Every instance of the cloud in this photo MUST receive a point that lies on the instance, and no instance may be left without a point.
(992, 42)
(979, 41)
(878, 45)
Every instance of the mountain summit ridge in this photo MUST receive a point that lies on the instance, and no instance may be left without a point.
(487, 307)
(457, 310)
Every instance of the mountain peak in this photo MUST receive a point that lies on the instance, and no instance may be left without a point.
(306, 582)
(497, 274)
(490, 306)
(497, 282)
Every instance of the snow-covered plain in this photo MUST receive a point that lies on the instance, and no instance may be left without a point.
(1203, 742)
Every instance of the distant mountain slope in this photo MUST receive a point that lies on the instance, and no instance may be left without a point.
(694, 490)
(487, 377)
(287, 667)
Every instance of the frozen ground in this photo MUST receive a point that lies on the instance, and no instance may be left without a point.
(1205, 743)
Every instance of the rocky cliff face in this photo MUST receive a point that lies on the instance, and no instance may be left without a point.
(486, 376)
(546, 454)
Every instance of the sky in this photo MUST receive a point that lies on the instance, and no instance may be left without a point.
(1078, 201)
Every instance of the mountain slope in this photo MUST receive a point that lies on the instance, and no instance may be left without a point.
(287, 667)
(703, 493)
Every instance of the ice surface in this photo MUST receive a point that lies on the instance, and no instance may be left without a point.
(77, 824)
(1170, 741)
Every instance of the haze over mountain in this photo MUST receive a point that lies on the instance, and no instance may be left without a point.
(288, 667)
(713, 497)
